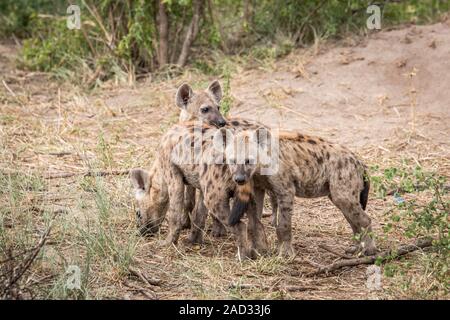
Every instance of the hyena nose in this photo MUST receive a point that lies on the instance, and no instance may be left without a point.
(239, 179)
(221, 123)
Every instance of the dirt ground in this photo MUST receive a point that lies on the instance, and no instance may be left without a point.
(358, 92)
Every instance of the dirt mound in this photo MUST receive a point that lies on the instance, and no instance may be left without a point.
(362, 94)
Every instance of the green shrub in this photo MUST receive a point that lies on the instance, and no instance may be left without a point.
(122, 36)
(424, 215)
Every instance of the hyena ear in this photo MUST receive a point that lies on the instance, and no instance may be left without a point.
(215, 90)
(184, 93)
(140, 179)
(263, 137)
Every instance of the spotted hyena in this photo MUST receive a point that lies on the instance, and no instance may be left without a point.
(309, 167)
(212, 178)
(203, 106)
(162, 189)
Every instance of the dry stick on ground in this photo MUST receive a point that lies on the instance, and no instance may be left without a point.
(402, 250)
(288, 288)
(149, 294)
(20, 270)
(341, 255)
(87, 174)
(148, 281)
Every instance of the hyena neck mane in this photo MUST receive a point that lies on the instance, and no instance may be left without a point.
(297, 136)
(242, 196)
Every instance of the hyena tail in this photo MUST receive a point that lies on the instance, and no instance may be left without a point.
(364, 195)
(240, 204)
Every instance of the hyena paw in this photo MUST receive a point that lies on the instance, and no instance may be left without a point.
(246, 253)
(261, 246)
(286, 250)
(194, 238)
(218, 230)
(164, 243)
(362, 249)
(369, 248)
(353, 249)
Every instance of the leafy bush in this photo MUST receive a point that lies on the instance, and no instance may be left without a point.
(424, 215)
(126, 37)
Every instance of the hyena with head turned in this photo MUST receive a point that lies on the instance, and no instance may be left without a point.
(160, 189)
(310, 167)
(203, 106)
(194, 106)
(211, 177)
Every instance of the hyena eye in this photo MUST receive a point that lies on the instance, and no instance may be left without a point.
(204, 109)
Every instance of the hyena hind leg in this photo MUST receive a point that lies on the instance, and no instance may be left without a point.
(198, 219)
(284, 225)
(360, 223)
(274, 205)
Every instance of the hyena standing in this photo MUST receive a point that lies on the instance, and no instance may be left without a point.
(200, 106)
(209, 174)
(310, 167)
(166, 179)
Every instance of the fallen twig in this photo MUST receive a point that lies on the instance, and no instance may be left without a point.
(148, 281)
(288, 288)
(87, 174)
(341, 255)
(19, 271)
(402, 250)
(149, 294)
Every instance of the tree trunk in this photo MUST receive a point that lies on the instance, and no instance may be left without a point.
(163, 30)
(191, 33)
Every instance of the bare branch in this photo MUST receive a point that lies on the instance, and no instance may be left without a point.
(191, 33)
(402, 250)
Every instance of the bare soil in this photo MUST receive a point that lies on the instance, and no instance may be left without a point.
(387, 97)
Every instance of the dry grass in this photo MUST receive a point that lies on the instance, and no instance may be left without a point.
(46, 128)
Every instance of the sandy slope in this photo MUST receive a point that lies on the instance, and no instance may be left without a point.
(360, 95)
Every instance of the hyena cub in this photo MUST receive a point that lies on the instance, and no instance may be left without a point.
(310, 167)
(210, 177)
(161, 189)
(203, 106)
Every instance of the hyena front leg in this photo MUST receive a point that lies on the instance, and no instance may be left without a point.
(218, 229)
(189, 205)
(220, 209)
(255, 229)
(259, 194)
(198, 219)
(284, 223)
(175, 188)
(274, 205)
